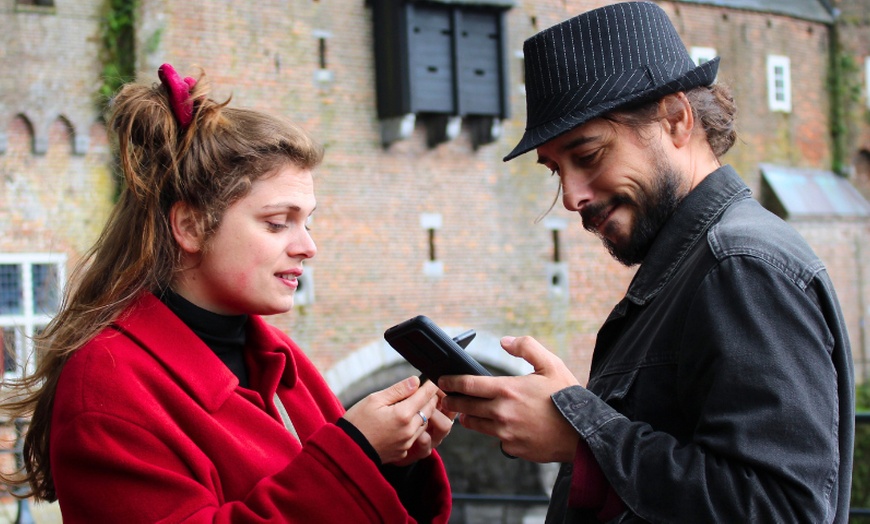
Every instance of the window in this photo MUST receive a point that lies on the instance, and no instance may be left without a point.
(779, 83)
(522, 65)
(30, 293)
(432, 222)
(700, 55)
(441, 60)
(557, 268)
(867, 80)
(323, 75)
(35, 6)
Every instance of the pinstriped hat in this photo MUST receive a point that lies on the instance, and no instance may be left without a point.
(599, 61)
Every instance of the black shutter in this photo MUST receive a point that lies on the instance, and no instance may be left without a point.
(430, 41)
(479, 63)
(439, 58)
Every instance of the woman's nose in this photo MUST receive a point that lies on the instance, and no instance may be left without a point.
(304, 248)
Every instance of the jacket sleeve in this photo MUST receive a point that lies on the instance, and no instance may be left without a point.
(115, 471)
(756, 372)
(422, 488)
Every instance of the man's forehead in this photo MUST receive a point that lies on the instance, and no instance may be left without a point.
(590, 132)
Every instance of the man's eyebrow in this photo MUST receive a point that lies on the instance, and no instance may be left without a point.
(571, 144)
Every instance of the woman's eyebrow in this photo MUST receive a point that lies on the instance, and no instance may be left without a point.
(282, 206)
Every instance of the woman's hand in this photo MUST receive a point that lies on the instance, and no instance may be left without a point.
(390, 420)
(437, 428)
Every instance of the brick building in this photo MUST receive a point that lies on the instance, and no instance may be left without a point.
(416, 211)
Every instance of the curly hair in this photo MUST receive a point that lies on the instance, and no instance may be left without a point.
(209, 166)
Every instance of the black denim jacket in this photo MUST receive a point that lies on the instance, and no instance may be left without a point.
(721, 387)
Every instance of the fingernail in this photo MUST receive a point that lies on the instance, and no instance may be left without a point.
(507, 340)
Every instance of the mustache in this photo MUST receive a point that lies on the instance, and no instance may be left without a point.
(593, 214)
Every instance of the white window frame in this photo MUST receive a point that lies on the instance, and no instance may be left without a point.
(28, 321)
(700, 55)
(779, 83)
(867, 80)
(518, 53)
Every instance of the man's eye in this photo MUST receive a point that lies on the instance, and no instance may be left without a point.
(586, 160)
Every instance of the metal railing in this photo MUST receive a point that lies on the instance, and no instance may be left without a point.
(533, 500)
(23, 510)
(860, 418)
(460, 499)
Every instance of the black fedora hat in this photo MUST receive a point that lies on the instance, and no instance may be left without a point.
(599, 61)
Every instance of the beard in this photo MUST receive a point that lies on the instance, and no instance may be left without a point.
(654, 204)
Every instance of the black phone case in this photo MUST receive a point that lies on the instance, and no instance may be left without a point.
(429, 349)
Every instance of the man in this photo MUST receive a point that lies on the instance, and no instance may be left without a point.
(721, 387)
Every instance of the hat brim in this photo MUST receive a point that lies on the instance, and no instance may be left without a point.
(703, 75)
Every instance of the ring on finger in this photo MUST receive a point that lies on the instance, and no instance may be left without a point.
(422, 416)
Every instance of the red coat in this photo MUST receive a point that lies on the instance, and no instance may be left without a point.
(150, 426)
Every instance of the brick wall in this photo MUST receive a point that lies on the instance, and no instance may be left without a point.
(55, 187)
(369, 270)
(854, 30)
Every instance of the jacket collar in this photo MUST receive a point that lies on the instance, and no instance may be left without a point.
(688, 225)
(191, 362)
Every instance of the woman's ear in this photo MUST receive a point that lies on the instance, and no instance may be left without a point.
(186, 227)
(679, 121)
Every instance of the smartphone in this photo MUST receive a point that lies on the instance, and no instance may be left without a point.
(429, 349)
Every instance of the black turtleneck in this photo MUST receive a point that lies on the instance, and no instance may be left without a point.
(224, 334)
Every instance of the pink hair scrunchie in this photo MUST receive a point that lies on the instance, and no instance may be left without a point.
(179, 94)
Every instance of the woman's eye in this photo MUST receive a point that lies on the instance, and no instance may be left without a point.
(275, 226)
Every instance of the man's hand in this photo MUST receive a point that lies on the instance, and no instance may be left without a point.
(518, 410)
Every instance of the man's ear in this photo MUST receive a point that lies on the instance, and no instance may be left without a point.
(678, 119)
(186, 227)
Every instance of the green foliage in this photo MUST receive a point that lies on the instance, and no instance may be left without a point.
(861, 468)
(118, 50)
(844, 85)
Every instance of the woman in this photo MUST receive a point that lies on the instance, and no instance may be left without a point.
(162, 395)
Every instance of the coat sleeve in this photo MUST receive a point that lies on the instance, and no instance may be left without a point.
(756, 371)
(423, 488)
(113, 470)
(131, 443)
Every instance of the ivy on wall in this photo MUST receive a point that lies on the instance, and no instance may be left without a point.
(118, 59)
(118, 49)
(844, 85)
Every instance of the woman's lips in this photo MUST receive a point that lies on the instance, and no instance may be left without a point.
(290, 279)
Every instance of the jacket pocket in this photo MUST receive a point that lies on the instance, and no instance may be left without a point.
(615, 388)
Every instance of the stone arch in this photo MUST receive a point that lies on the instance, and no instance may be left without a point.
(19, 124)
(84, 123)
(379, 356)
(474, 462)
(861, 174)
(61, 130)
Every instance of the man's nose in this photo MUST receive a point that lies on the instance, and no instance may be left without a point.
(576, 192)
